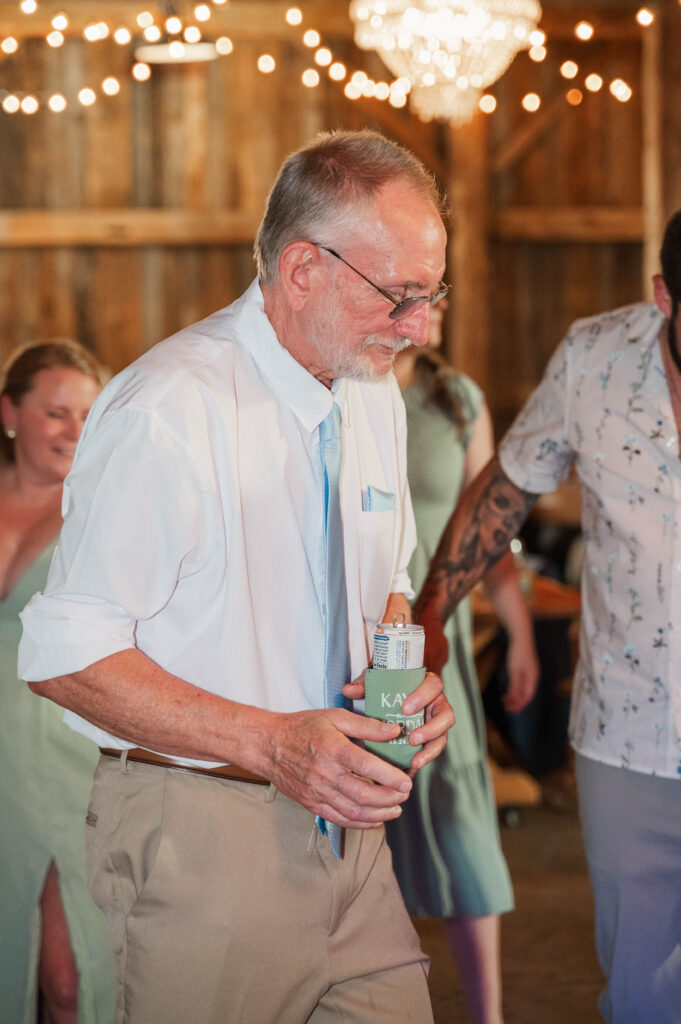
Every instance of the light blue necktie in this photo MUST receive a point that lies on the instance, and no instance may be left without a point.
(336, 650)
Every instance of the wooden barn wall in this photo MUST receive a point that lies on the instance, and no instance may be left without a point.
(166, 182)
(194, 144)
(544, 273)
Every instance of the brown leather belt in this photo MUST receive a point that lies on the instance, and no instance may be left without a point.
(222, 771)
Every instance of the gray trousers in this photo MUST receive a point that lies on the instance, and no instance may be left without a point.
(631, 825)
(224, 905)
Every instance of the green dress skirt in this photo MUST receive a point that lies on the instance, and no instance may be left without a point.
(446, 849)
(45, 785)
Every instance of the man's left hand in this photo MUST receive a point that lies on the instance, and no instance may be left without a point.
(438, 717)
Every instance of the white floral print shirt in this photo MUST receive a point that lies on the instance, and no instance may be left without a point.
(604, 406)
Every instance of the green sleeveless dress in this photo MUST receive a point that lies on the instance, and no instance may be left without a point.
(446, 849)
(45, 783)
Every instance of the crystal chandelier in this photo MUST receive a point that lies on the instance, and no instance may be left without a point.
(449, 50)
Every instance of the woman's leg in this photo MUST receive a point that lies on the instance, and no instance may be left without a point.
(57, 971)
(475, 946)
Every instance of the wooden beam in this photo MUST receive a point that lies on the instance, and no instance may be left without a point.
(468, 337)
(608, 22)
(125, 227)
(652, 87)
(262, 19)
(265, 18)
(569, 224)
(527, 135)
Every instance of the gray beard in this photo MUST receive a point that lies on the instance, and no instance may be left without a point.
(356, 365)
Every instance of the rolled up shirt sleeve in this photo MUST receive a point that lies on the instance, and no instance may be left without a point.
(135, 513)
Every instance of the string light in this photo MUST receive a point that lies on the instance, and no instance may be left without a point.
(87, 97)
(584, 30)
(141, 72)
(620, 90)
(531, 102)
(593, 82)
(337, 71)
(111, 86)
(360, 85)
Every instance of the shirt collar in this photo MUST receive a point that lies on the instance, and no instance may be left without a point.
(290, 382)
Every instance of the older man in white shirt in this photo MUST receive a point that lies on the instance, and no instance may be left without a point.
(183, 623)
(609, 405)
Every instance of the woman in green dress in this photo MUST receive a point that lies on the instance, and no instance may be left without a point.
(446, 849)
(54, 950)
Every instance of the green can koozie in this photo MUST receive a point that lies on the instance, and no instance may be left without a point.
(385, 690)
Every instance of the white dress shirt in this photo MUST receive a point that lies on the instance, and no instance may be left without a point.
(604, 405)
(194, 520)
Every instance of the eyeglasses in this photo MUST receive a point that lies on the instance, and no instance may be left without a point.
(404, 308)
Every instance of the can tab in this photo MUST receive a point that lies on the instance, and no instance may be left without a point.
(399, 620)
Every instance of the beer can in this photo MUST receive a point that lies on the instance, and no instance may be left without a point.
(398, 644)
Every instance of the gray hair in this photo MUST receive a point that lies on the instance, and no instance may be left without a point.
(328, 184)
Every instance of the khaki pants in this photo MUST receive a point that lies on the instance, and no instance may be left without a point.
(225, 906)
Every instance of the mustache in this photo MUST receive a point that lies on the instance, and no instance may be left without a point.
(397, 346)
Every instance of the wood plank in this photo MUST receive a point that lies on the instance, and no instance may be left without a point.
(126, 227)
(252, 18)
(468, 336)
(670, 32)
(652, 86)
(243, 19)
(569, 224)
(516, 146)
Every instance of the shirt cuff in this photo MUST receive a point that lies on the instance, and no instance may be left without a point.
(62, 635)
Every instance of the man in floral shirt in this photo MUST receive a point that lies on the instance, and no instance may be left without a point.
(609, 405)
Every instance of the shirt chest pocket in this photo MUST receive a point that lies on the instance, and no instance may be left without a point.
(377, 561)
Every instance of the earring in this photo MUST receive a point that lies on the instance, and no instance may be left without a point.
(11, 434)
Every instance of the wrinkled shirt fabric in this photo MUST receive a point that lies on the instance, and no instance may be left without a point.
(604, 407)
(194, 520)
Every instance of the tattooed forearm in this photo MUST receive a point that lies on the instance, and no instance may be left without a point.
(488, 516)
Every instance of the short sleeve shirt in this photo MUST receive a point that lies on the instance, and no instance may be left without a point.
(604, 407)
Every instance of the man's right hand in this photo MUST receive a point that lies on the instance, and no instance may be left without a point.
(311, 759)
